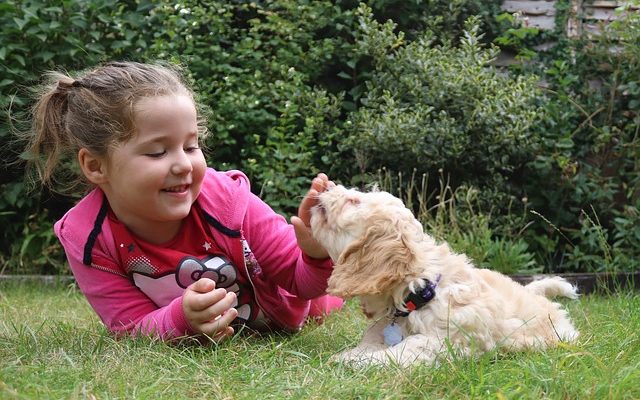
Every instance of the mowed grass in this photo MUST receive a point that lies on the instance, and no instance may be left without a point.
(53, 346)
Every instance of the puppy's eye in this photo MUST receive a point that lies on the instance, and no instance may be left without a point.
(353, 201)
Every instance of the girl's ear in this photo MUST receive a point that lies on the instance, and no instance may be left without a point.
(93, 168)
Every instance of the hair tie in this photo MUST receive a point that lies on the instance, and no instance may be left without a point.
(65, 86)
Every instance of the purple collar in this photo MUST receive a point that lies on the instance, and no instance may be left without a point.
(415, 301)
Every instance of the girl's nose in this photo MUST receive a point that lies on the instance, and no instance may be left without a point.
(181, 163)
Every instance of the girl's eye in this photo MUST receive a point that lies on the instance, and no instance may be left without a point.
(191, 149)
(157, 154)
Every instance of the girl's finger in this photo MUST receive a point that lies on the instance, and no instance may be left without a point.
(202, 301)
(215, 310)
(220, 324)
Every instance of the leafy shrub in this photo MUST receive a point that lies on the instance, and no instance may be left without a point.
(584, 178)
(431, 107)
(37, 36)
(295, 87)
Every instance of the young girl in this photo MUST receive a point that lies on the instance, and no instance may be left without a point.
(163, 245)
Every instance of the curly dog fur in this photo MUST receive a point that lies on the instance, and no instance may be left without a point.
(381, 254)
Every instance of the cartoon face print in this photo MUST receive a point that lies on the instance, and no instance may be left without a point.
(218, 269)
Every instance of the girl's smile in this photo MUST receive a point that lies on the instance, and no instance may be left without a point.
(177, 189)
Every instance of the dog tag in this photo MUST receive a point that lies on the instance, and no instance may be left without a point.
(392, 334)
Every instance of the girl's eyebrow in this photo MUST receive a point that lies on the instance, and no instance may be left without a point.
(160, 138)
(152, 140)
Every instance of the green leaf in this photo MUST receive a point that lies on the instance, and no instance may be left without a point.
(564, 143)
(7, 8)
(19, 59)
(20, 22)
(46, 56)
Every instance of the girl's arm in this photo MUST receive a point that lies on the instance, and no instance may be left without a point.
(124, 309)
(274, 244)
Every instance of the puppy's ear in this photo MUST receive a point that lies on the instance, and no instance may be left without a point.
(383, 258)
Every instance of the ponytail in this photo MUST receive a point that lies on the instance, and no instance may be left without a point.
(50, 139)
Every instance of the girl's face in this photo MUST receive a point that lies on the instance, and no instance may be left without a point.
(155, 177)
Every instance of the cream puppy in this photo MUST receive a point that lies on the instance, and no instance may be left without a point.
(422, 297)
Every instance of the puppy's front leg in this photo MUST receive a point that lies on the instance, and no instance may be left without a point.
(415, 348)
(372, 341)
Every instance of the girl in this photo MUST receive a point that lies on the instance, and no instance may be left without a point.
(163, 245)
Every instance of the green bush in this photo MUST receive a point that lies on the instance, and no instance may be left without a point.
(273, 74)
(585, 176)
(37, 36)
(297, 87)
(431, 107)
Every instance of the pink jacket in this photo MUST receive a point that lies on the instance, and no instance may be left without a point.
(283, 287)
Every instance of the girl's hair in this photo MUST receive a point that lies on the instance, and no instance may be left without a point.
(95, 111)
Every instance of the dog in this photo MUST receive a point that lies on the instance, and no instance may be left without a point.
(426, 301)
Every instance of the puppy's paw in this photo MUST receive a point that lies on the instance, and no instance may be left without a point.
(355, 358)
(343, 357)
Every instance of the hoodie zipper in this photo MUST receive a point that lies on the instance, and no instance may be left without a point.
(255, 292)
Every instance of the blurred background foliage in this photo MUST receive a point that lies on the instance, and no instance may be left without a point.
(527, 168)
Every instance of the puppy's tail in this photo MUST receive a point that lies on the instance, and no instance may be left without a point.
(553, 287)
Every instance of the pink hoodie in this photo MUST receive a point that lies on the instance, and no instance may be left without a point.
(283, 285)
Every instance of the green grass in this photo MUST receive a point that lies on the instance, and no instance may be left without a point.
(53, 346)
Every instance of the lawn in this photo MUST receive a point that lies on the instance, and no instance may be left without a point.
(53, 346)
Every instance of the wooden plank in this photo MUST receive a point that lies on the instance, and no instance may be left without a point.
(574, 25)
(545, 46)
(611, 4)
(600, 14)
(605, 4)
(544, 22)
(604, 14)
(530, 7)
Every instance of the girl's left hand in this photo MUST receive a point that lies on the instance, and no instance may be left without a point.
(301, 223)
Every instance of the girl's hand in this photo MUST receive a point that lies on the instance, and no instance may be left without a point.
(208, 310)
(301, 223)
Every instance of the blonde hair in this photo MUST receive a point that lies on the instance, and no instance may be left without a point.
(94, 111)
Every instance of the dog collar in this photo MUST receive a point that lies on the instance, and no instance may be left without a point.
(415, 301)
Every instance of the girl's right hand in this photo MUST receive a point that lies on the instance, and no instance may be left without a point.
(208, 310)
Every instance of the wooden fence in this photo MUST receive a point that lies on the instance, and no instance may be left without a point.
(585, 17)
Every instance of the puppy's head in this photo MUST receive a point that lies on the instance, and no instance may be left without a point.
(371, 238)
